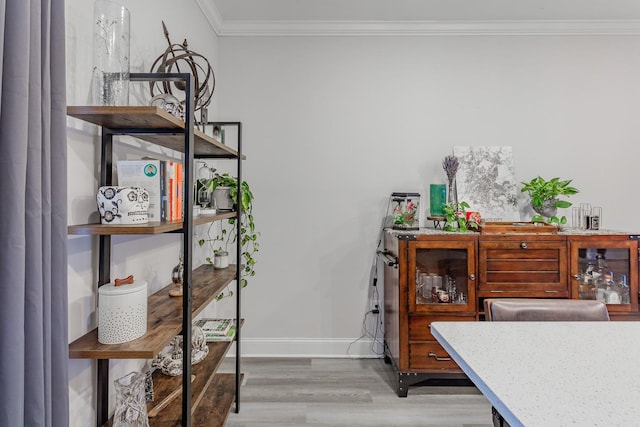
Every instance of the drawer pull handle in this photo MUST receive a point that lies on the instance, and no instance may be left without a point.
(439, 359)
(472, 277)
(523, 245)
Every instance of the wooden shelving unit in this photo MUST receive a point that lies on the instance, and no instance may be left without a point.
(208, 400)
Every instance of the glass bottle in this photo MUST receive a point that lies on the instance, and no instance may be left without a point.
(625, 294)
(601, 287)
(611, 294)
(587, 288)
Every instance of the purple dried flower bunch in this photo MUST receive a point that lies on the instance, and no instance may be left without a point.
(450, 165)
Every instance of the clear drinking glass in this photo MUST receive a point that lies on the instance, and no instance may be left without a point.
(575, 217)
(585, 214)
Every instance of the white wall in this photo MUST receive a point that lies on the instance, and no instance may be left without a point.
(148, 258)
(334, 125)
(331, 127)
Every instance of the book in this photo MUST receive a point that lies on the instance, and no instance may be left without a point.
(215, 326)
(179, 191)
(143, 173)
(230, 336)
(164, 195)
(171, 191)
(217, 329)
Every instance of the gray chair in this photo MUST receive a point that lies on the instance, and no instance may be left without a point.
(533, 310)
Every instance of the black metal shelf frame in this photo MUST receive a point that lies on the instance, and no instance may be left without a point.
(104, 268)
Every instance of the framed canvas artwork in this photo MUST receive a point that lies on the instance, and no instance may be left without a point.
(486, 180)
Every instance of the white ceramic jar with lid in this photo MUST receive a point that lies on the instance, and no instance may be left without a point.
(122, 312)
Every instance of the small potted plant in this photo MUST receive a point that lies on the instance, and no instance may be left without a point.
(222, 187)
(455, 215)
(228, 233)
(545, 199)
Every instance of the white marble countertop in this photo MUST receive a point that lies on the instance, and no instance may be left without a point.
(551, 373)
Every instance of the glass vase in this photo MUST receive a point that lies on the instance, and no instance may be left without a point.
(452, 192)
(437, 199)
(131, 407)
(111, 49)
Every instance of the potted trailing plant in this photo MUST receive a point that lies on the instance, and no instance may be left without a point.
(228, 233)
(225, 190)
(545, 199)
(455, 215)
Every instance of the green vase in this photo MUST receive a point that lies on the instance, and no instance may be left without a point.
(437, 199)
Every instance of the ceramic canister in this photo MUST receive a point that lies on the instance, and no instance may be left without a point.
(123, 205)
(122, 312)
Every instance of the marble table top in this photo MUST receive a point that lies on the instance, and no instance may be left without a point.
(551, 373)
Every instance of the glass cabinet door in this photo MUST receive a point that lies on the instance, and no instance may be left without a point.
(442, 276)
(607, 271)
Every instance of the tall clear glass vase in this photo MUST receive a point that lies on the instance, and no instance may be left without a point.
(452, 192)
(111, 49)
(131, 407)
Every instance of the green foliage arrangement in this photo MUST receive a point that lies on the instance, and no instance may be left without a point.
(455, 217)
(544, 198)
(228, 234)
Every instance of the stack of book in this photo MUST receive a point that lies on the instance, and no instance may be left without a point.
(217, 329)
(164, 180)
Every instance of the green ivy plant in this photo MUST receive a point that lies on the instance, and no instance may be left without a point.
(228, 233)
(455, 217)
(544, 194)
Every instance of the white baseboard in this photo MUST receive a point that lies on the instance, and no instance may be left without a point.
(309, 347)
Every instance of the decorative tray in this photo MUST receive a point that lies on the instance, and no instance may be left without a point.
(508, 227)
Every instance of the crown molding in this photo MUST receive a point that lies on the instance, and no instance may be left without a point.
(424, 28)
(212, 15)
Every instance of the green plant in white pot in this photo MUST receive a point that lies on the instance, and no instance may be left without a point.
(228, 233)
(545, 198)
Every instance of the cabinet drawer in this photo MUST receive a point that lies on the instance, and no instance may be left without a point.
(430, 356)
(523, 265)
(419, 329)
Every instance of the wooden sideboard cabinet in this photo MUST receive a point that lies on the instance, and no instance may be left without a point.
(468, 267)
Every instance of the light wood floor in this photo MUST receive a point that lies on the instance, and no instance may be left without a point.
(346, 392)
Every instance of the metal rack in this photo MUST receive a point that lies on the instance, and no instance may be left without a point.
(167, 133)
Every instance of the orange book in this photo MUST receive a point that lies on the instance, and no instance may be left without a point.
(180, 191)
(171, 191)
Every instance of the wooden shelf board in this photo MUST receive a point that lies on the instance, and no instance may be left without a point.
(135, 120)
(204, 390)
(149, 228)
(214, 408)
(164, 319)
